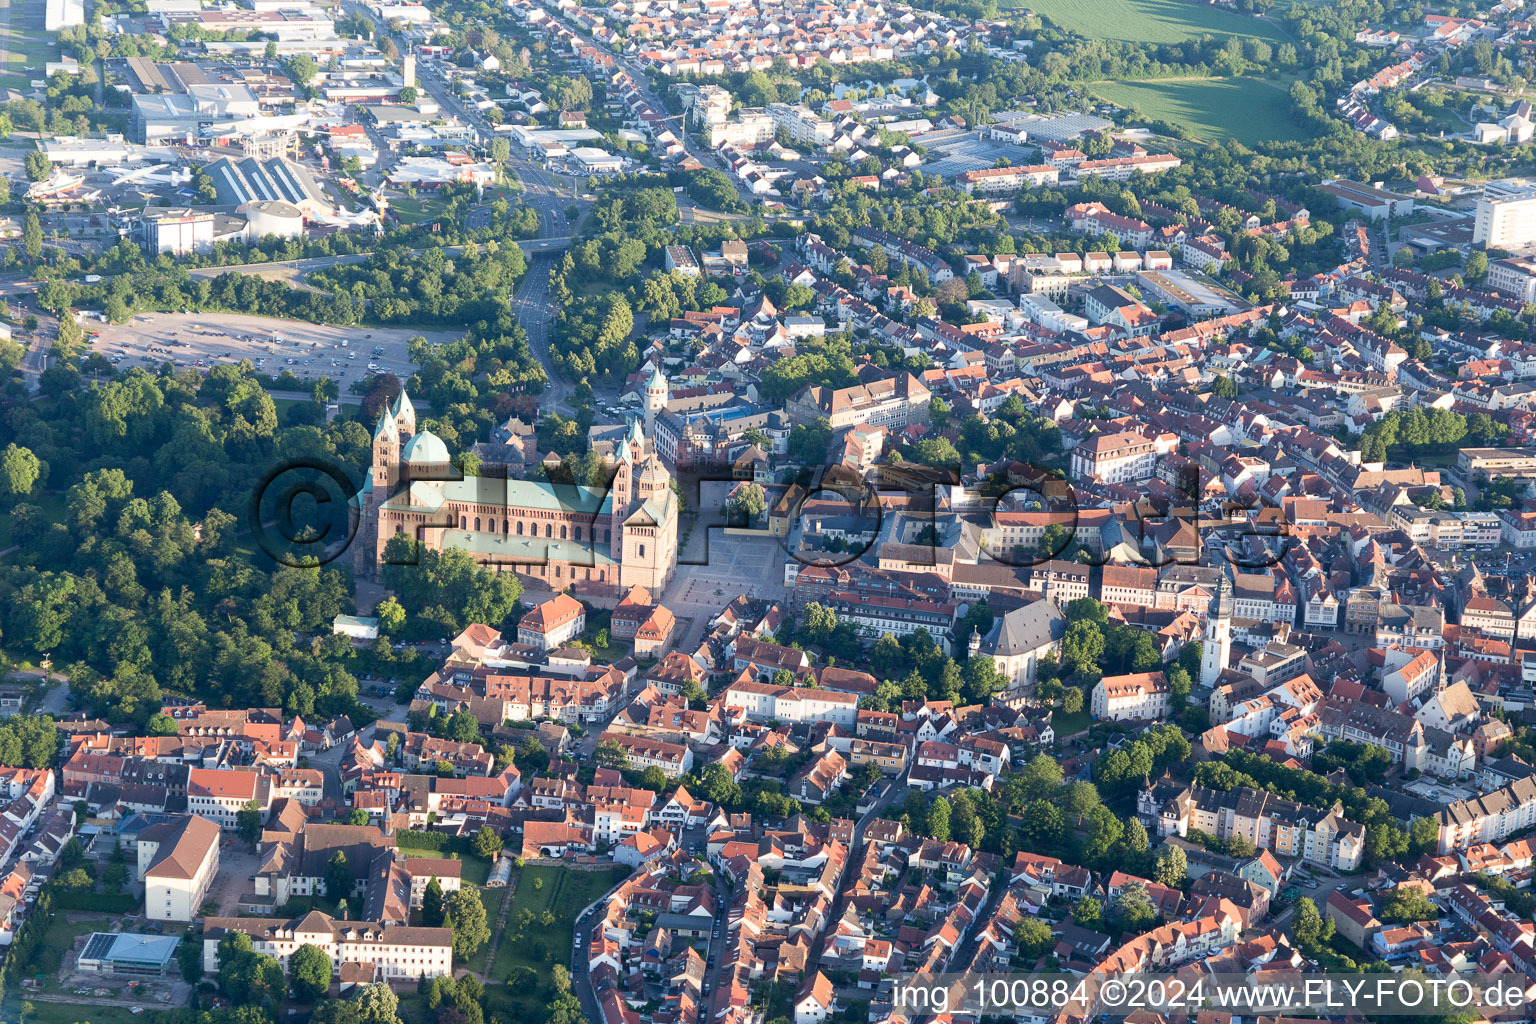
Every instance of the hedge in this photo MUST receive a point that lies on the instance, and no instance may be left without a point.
(81, 899)
(420, 840)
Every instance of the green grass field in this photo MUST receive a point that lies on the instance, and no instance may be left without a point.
(1245, 109)
(68, 1013)
(1064, 724)
(473, 871)
(1151, 21)
(564, 893)
(24, 44)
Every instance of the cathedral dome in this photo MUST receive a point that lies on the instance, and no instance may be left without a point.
(426, 448)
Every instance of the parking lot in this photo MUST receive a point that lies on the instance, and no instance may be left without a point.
(308, 351)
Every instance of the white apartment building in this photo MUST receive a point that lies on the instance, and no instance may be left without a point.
(1490, 818)
(448, 872)
(1140, 696)
(305, 785)
(987, 180)
(219, 794)
(643, 752)
(801, 123)
(398, 953)
(177, 862)
(1115, 458)
(764, 702)
(1515, 276)
(751, 128)
(1041, 310)
(1506, 216)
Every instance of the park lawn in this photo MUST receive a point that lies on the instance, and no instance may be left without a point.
(565, 893)
(474, 870)
(1064, 724)
(61, 933)
(414, 211)
(598, 620)
(71, 1013)
(1151, 21)
(1249, 110)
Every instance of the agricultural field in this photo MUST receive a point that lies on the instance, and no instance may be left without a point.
(1214, 109)
(1152, 21)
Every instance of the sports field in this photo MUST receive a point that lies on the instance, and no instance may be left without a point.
(1213, 109)
(1151, 21)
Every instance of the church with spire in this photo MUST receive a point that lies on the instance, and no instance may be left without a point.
(595, 539)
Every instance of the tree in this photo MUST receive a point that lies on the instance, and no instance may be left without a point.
(1308, 926)
(1034, 937)
(609, 754)
(1083, 645)
(463, 727)
(467, 913)
(1476, 267)
(32, 245)
(311, 970)
(358, 816)
(377, 1004)
(301, 67)
(189, 957)
(1132, 910)
(20, 469)
(1088, 913)
(938, 820)
(39, 166)
(1406, 906)
(338, 878)
(248, 821)
(1040, 777)
(432, 905)
(1170, 865)
(391, 617)
(1223, 387)
(487, 842)
(1423, 836)
(160, 724)
(1072, 700)
(560, 977)
(746, 503)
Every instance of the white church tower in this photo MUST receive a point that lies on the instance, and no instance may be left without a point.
(1216, 646)
(655, 400)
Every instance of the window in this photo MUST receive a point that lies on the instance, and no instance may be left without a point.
(549, 529)
(642, 550)
(477, 524)
(519, 527)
